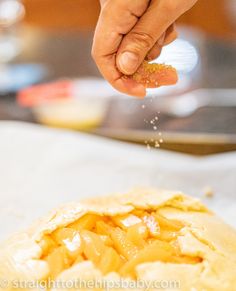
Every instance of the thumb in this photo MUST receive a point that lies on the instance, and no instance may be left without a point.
(133, 50)
(136, 45)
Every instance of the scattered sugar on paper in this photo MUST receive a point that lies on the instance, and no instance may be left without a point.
(208, 192)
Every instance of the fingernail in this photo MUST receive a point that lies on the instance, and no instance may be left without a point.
(128, 63)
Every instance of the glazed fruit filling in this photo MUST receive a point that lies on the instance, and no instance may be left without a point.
(118, 243)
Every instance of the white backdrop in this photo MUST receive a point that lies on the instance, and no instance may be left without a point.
(41, 168)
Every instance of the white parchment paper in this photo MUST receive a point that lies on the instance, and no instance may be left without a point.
(41, 168)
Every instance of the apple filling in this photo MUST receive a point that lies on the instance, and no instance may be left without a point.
(115, 244)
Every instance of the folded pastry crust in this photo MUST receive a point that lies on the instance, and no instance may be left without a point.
(199, 249)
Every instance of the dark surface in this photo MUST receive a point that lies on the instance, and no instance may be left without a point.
(220, 120)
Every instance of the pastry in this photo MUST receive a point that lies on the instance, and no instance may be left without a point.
(143, 240)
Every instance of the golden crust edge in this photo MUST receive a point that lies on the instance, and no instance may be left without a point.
(112, 205)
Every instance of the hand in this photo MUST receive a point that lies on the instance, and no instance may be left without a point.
(128, 31)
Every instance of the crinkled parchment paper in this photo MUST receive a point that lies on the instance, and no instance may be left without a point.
(41, 168)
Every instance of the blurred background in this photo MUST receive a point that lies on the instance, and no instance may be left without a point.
(47, 76)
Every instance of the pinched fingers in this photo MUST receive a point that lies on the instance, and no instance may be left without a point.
(127, 31)
(116, 19)
(151, 26)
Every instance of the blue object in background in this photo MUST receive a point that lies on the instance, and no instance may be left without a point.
(16, 77)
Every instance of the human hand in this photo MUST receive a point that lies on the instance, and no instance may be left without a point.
(128, 31)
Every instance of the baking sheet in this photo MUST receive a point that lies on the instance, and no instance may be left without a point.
(41, 168)
(200, 119)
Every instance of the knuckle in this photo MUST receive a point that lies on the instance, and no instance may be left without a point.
(143, 40)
